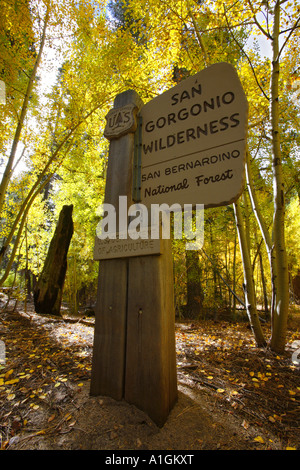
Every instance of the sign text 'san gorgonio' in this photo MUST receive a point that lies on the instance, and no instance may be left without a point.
(194, 140)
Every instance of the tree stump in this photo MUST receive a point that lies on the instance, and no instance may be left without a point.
(49, 288)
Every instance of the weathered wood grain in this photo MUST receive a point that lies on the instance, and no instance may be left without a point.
(134, 343)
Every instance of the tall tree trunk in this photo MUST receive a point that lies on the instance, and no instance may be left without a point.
(280, 313)
(194, 288)
(249, 288)
(49, 288)
(264, 287)
(234, 276)
(263, 229)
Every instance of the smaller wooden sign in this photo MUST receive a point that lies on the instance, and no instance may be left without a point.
(124, 248)
(120, 121)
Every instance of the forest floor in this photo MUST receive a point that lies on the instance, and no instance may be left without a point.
(231, 395)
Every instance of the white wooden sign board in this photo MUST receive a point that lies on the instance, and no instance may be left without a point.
(194, 141)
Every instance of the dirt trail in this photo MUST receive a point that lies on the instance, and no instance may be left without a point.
(231, 396)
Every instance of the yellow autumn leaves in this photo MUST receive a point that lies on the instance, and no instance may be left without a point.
(261, 440)
(6, 380)
(11, 378)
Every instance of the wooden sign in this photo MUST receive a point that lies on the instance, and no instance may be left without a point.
(120, 121)
(125, 248)
(194, 141)
(186, 146)
(134, 356)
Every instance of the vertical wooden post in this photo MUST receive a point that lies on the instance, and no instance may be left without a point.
(151, 380)
(111, 310)
(134, 344)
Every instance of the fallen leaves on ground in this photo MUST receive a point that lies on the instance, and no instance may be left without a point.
(49, 360)
(255, 383)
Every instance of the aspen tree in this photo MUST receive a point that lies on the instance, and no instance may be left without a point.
(275, 244)
(249, 287)
(8, 169)
(281, 306)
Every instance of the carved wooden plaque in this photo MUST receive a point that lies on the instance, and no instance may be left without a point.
(120, 121)
(124, 248)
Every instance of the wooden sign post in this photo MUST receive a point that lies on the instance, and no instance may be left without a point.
(191, 150)
(134, 344)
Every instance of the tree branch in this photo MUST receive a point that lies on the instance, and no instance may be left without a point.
(268, 35)
(292, 29)
(246, 55)
(201, 44)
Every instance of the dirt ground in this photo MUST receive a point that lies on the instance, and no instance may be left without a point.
(231, 395)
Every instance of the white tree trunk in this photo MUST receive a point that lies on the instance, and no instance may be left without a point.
(280, 314)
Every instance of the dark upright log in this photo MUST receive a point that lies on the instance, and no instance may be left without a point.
(194, 289)
(49, 288)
